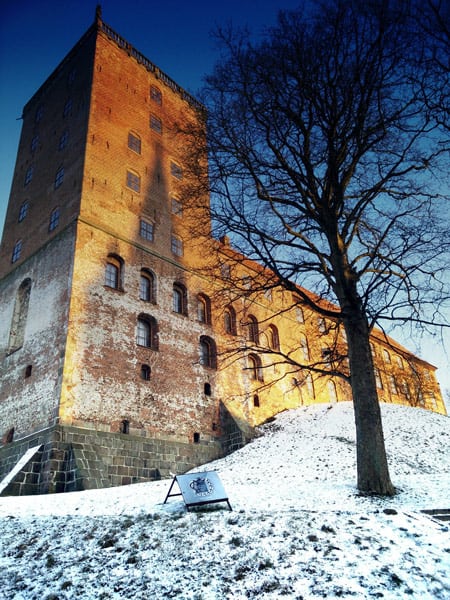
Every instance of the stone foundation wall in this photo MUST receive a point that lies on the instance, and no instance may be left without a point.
(72, 459)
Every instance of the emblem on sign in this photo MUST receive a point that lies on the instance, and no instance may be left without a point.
(202, 486)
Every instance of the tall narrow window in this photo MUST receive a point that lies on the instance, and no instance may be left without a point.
(59, 177)
(203, 309)
(17, 250)
(208, 353)
(133, 181)
(68, 108)
(114, 272)
(63, 140)
(34, 143)
(274, 340)
(147, 286)
(176, 171)
(252, 330)
(321, 325)
(54, 219)
(23, 210)
(155, 94)
(304, 348)
(177, 207)
(134, 142)
(254, 367)
(29, 175)
(229, 319)
(146, 230)
(155, 123)
(177, 245)
(147, 333)
(146, 372)
(179, 299)
(19, 318)
(386, 357)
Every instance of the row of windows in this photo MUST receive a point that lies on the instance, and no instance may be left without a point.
(52, 225)
(59, 176)
(133, 178)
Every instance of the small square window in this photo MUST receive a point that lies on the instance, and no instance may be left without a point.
(59, 177)
(134, 143)
(155, 123)
(177, 246)
(176, 171)
(133, 181)
(146, 230)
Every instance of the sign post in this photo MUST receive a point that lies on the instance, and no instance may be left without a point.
(198, 489)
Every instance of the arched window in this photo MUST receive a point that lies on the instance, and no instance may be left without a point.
(208, 352)
(59, 177)
(114, 272)
(147, 286)
(304, 348)
(147, 332)
(204, 309)
(252, 330)
(23, 210)
(179, 299)
(229, 319)
(386, 357)
(274, 340)
(19, 318)
(134, 142)
(254, 367)
(17, 251)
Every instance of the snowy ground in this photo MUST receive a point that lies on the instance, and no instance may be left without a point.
(298, 529)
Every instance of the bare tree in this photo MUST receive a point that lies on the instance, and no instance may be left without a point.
(324, 157)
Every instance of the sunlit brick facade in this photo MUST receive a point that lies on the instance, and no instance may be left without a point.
(116, 347)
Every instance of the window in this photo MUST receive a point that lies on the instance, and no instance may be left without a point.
(114, 272)
(19, 318)
(327, 355)
(146, 230)
(63, 140)
(393, 385)
(252, 330)
(155, 94)
(23, 211)
(274, 340)
(146, 372)
(177, 207)
(133, 181)
(208, 353)
(54, 219)
(29, 175)
(304, 348)
(59, 177)
(378, 379)
(299, 315)
(386, 357)
(34, 143)
(72, 75)
(254, 367)
(229, 318)
(179, 299)
(321, 325)
(147, 286)
(155, 123)
(256, 402)
(68, 108)
(176, 171)
(125, 427)
(28, 371)
(134, 142)
(207, 389)
(16, 251)
(147, 333)
(203, 309)
(196, 438)
(39, 114)
(399, 361)
(177, 245)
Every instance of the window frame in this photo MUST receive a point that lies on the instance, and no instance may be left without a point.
(59, 177)
(147, 230)
(114, 263)
(179, 299)
(134, 142)
(16, 251)
(54, 219)
(147, 332)
(156, 124)
(149, 295)
(176, 245)
(208, 352)
(133, 181)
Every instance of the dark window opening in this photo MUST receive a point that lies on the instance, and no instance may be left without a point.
(256, 401)
(196, 437)
(28, 370)
(125, 426)
(207, 389)
(214, 427)
(146, 372)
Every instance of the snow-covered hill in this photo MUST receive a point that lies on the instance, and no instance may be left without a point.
(298, 529)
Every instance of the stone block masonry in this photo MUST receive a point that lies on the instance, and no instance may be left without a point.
(72, 459)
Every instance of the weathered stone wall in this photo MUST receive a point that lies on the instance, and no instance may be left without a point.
(30, 376)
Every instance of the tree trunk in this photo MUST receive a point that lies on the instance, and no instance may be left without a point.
(372, 467)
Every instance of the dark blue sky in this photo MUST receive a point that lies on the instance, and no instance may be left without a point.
(35, 35)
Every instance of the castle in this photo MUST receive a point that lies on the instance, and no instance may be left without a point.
(118, 360)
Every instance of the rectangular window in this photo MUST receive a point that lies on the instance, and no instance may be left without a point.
(146, 230)
(176, 170)
(16, 251)
(133, 181)
(134, 143)
(155, 123)
(177, 246)
(59, 177)
(155, 94)
(63, 140)
(177, 207)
